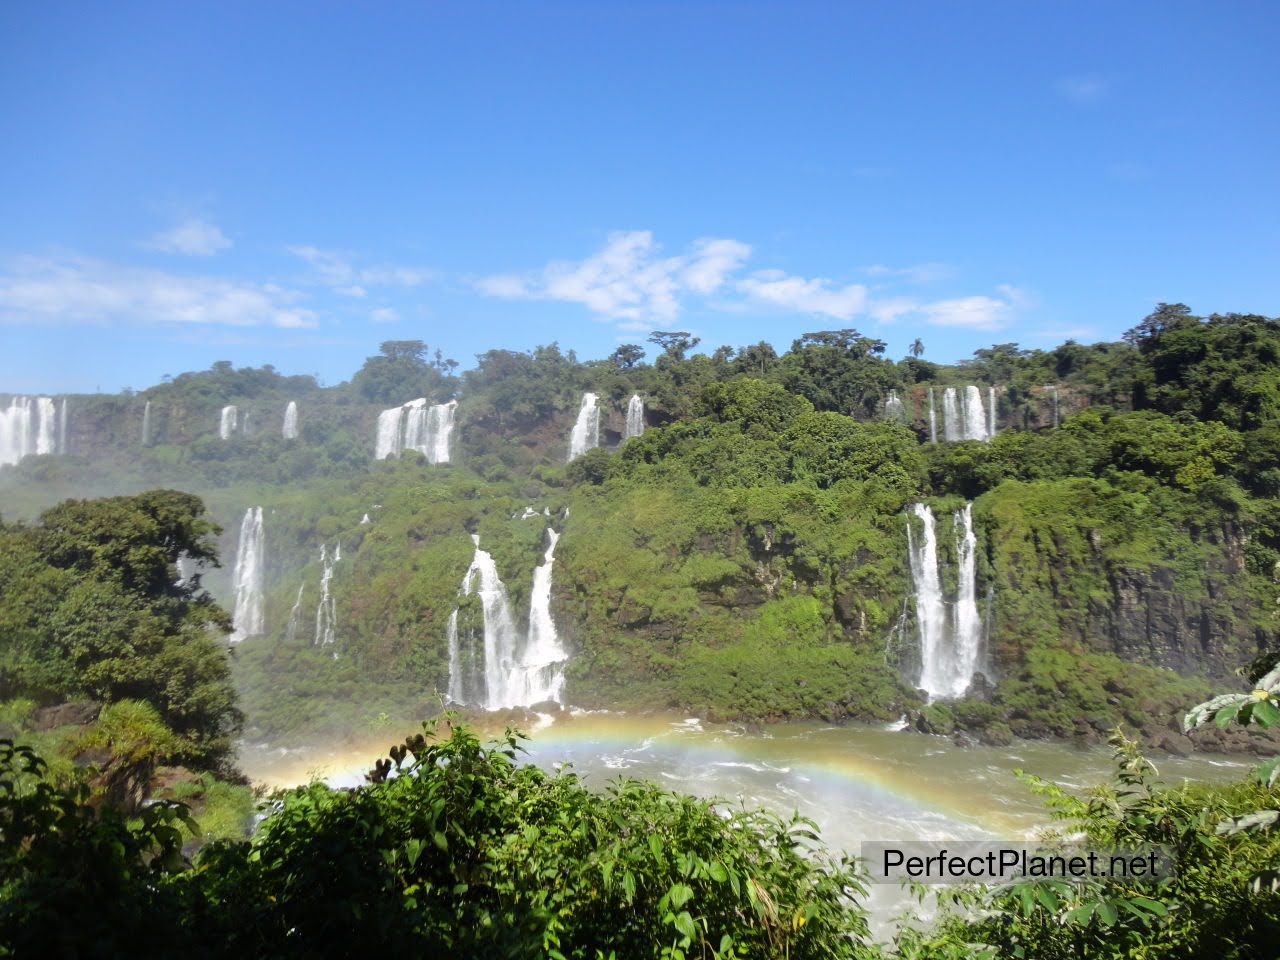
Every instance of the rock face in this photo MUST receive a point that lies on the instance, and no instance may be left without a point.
(77, 713)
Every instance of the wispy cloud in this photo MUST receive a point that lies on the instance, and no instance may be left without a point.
(816, 295)
(193, 238)
(629, 282)
(76, 289)
(1080, 89)
(627, 279)
(384, 315)
(336, 270)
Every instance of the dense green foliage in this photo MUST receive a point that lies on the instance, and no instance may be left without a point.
(92, 606)
(463, 852)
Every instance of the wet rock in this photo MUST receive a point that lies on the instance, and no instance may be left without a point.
(77, 713)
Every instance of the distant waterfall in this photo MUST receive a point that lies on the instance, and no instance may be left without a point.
(227, 422)
(1052, 389)
(290, 429)
(586, 429)
(416, 426)
(950, 632)
(635, 416)
(32, 425)
(952, 425)
(146, 425)
(894, 409)
(963, 416)
(295, 613)
(933, 419)
(251, 558)
(489, 663)
(327, 611)
(975, 417)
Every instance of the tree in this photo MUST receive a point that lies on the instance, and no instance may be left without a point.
(917, 348)
(627, 356)
(674, 343)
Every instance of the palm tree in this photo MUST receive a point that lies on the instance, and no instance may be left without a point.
(916, 348)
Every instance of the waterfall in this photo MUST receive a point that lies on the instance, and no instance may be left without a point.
(31, 425)
(185, 569)
(933, 419)
(950, 633)
(416, 426)
(635, 416)
(539, 675)
(291, 631)
(227, 422)
(365, 519)
(247, 576)
(991, 406)
(1055, 404)
(952, 424)
(498, 668)
(146, 425)
(586, 429)
(894, 408)
(327, 611)
(290, 428)
(975, 418)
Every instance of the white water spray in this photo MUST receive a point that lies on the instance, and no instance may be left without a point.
(247, 576)
(950, 632)
(227, 422)
(635, 416)
(290, 428)
(586, 429)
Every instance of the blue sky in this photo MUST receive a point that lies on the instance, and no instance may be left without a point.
(293, 183)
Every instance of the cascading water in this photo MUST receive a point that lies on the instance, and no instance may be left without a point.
(327, 611)
(227, 422)
(498, 668)
(975, 418)
(290, 428)
(991, 407)
(950, 632)
(952, 425)
(894, 409)
(247, 576)
(586, 429)
(416, 426)
(295, 612)
(146, 424)
(32, 425)
(635, 416)
(1054, 390)
(933, 419)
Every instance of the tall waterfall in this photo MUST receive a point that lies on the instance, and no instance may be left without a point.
(247, 576)
(635, 416)
(586, 429)
(952, 425)
(416, 426)
(146, 424)
(498, 668)
(964, 417)
(950, 632)
(933, 419)
(227, 422)
(975, 417)
(894, 409)
(327, 611)
(32, 425)
(290, 429)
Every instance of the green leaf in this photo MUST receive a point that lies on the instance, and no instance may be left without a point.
(679, 895)
(1269, 772)
(684, 923)
(1265, 713)
(440, 840)
(1107, 913)
(655, 846)
(629, 886)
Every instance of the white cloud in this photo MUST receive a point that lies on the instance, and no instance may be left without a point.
(194, 237)
(384, 315)
(816, 295)
(74, 289)
(1081, 89)
(975, 313)
(920, 273)
(335, 270)
(627, 279)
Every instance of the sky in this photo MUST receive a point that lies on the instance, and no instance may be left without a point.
(293, 183)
